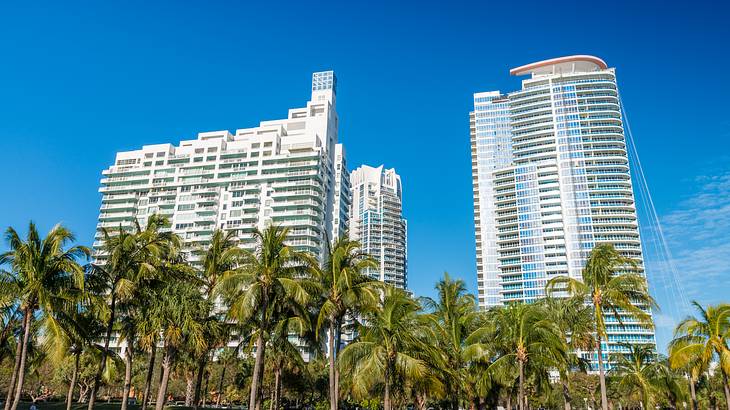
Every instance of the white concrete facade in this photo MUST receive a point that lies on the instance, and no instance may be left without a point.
(282, 171)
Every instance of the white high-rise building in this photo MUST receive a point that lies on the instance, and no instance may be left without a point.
(551, 180)
(283, 171)
(377, 222)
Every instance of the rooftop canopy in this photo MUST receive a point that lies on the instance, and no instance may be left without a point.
(569, 64)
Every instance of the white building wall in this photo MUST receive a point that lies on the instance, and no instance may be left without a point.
(281, 171)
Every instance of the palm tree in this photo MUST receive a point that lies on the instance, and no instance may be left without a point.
(670, 383)
(9, 319)
(149, 334)
(525, 334)
(344, 290)
(698, 341)
(127, 330)
(72, 331)
(639, 371)
(611, 283)
(48, 276)
(220, 258)
(229, 356)
(692, 369)
(456, 318)
(429, 385)
(284, 355)
(177, 313)
(391, 338)
(574, 320)
(129, 258)
(266, 278)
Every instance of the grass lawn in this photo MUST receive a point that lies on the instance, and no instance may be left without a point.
(59, 405)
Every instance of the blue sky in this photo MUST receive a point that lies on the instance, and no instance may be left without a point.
(81, 81)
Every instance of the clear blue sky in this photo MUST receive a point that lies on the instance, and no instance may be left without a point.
(81, 81)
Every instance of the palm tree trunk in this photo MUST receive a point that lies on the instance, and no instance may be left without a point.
(420, 400)
(338, 341)
(331, 358)
(104, 353)
(6, 331)
(23, 358)
(150, 373)
(726, 386)
(72, 385)
(260, 401)
(83, 390)
(277, 390)
(386, 393)
(199, 380)
(189, 387)
(127, 375)
(601, 374)
(566, 393)
(521, 394)
(162, 391)
(692, 394)
(257, 369)
(205, 389)
(159, 379)
(509, 400)
(16, 367)
(220, 386)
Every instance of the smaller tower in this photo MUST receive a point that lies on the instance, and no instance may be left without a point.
(377, 222)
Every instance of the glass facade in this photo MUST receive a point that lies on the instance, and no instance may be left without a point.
(551, 180)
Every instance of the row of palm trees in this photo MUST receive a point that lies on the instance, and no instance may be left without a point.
(276, 303)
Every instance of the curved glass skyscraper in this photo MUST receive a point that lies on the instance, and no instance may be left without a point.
(551, 180)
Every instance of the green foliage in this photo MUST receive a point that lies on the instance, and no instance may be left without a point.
(238, 318)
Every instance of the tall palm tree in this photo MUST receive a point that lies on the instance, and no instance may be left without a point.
(699, 340)
(671, 383)
(127, 331)
(574, 320)
(12, 319)
(48, 276)
(390, 341)
(145, 326)
(525, 334)
(639, 371)
(611, 283)
(430, 385)
(267, 277)
(220, 258)
(284, 354)
(149, 334)
(344, 290)
(177, 313)
(691, 368)
(72, 331)
(456, 318)
(9, 313)
(129, 258)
